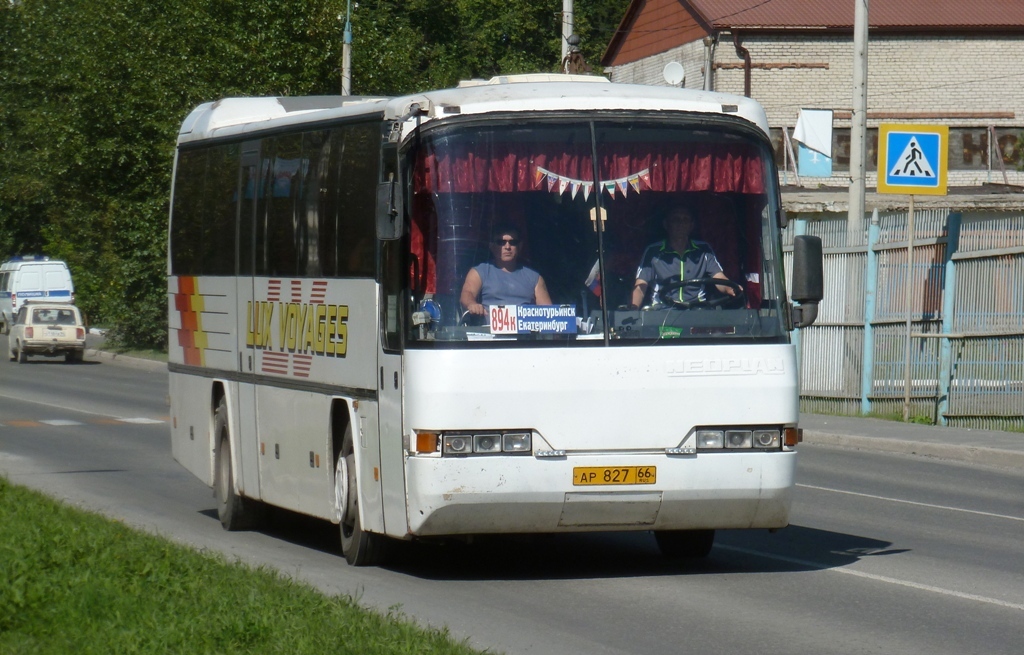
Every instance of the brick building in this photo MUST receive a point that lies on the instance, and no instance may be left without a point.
(945, 62)
(958, 63)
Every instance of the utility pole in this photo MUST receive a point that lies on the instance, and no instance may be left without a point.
(567, 29)
(346, 54)
(859, 121)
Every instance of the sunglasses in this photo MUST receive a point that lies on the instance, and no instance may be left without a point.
(502, 242)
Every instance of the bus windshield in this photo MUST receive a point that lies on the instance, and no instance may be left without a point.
(611, 231)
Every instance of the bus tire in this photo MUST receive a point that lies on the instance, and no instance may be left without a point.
(688, 544)
(234, 511)
(359, 547)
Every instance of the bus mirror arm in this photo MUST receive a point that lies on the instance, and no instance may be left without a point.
(808, 279)
(389, 210)
(805, 314)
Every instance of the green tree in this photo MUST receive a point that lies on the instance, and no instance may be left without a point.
(92, 96)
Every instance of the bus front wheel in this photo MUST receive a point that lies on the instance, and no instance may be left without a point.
(679, 544)
(359, 547)
(234, 511)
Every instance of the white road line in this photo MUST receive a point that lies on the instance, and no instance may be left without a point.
(877, 578)
(57, 423)
(70, 409)
(122, 419)
(911, 502)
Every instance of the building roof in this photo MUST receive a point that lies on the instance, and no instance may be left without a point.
(659, 25)
(958, 15)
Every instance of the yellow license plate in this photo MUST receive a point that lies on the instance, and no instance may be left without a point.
(588, 475)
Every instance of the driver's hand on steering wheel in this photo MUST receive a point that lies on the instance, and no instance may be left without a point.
(727, 290)
(477, 308)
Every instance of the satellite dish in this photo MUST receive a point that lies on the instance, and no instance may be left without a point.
(673, 73)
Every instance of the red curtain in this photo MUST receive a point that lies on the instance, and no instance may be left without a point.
(671, 167)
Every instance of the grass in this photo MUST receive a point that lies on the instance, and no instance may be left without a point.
(74, 582)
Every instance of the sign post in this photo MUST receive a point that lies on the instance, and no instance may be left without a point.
(912, 159)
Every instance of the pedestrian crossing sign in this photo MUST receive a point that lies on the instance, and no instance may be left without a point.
(912, 159)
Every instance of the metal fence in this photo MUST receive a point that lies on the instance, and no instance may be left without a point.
(962, 307)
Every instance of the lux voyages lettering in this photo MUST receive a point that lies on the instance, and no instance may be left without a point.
(306, 328)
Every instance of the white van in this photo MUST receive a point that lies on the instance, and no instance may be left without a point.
(35, 277)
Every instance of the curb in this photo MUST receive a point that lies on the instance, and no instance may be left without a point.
(125, 360)
(971, 454)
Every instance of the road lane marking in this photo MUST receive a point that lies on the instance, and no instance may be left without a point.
(877, 578)
(912, 502)
(64, 423)
(64, 407)
(102, 418)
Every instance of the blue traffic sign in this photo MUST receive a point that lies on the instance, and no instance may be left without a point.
(912, 159)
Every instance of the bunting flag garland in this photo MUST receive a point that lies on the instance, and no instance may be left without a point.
(636, 181)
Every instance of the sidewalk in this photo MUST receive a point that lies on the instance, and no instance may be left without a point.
(988, 447)
(94, 340)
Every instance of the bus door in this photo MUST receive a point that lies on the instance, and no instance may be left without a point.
(248, 315)
(389, 388)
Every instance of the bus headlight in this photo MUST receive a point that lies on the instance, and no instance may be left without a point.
(710, 438)
(461, 444)
(482, 443)
(486, 443)
(739, 438)
(517, 442)
(766, 439)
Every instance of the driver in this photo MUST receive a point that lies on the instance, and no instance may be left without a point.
(675, 258)
(503, 281)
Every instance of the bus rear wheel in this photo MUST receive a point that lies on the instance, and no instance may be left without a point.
(689, 544)
(234, 511)
(359, 547)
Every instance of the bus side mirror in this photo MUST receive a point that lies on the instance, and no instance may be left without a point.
(808, 279)
(389, 210)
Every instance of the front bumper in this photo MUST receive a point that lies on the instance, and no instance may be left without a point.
(490, 495)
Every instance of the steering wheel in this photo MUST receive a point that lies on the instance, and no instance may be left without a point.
(472, 320)
(667, 291)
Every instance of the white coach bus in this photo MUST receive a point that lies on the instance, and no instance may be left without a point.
(321, 355)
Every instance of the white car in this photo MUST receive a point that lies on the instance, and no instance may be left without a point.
(49, 329)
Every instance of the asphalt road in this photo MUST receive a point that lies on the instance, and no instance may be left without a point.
(887, 553)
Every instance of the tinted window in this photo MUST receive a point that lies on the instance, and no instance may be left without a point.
(186, 212)
(221, 210)
(292, 205)
(355, 178)
(204, 211)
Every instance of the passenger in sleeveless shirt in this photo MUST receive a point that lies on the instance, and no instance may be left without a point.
(503, 281)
